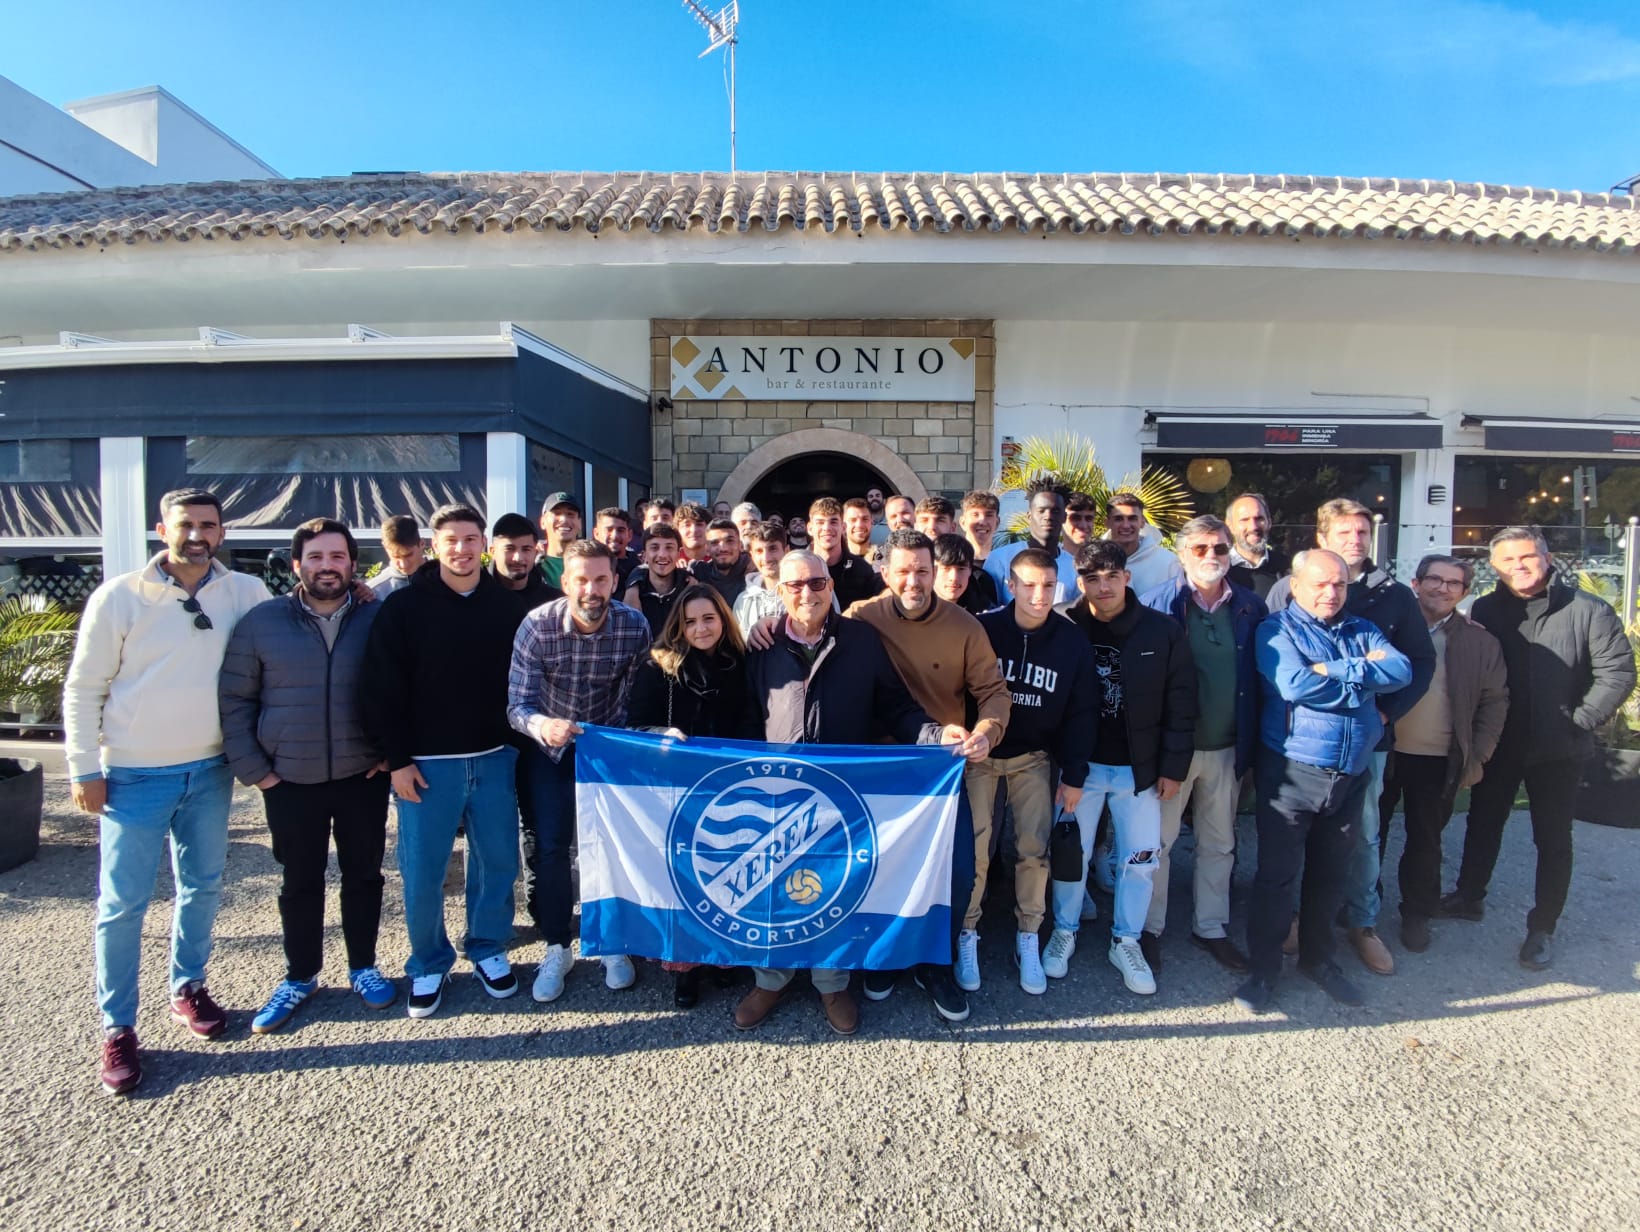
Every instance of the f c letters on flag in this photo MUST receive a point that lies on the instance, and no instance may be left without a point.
(746, 854)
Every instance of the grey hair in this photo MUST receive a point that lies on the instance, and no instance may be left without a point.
(747, 508)
(1440, 558)
(1513, 534)
(1203, 524)
(1301, 559)
(805, 557)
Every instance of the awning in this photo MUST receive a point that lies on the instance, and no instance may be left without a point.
(1519, 434)
(1362, 433)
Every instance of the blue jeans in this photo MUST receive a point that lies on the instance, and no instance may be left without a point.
(1361, 890)
(189, 803)
(479, 792)
(1136, 818)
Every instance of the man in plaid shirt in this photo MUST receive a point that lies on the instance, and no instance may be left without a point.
(573, 662)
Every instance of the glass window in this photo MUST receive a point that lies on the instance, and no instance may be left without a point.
(36, 462)
(50, 487)
(335, 455)
(1294, 485)
(1582, 505)
(67, 576)
(550, 471)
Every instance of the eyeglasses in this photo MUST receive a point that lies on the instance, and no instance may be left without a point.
(1202, 549)
(1444, 583)
(797, 585)
(191, 606)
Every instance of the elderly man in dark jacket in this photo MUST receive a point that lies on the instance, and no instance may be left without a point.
(289, 699)
(1570, 667)
(824, 680)
(1219, 618)
(1344, 527)
(1143, 740)
(1323, 672)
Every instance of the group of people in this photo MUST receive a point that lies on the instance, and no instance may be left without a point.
(1098, 685)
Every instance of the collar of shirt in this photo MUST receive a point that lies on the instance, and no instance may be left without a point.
(1441, 623)
(1236, 558)
(302, 599)
(791, 632)
(1210, 608)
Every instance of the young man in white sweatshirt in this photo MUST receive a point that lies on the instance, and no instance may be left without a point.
(144, 745)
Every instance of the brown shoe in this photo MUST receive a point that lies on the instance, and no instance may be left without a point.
(756, 1006)
(1374, 954)
(842, 1015)
(1290, 946)
(1224, 952)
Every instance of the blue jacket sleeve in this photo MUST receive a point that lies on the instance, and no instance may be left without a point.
(1294, 677)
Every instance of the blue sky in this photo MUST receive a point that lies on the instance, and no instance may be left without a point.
(1516, 93)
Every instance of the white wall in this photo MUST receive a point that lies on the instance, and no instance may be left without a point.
(180, 144)
(53, 152)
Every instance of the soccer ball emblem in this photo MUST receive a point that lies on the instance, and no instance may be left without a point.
(803, 886)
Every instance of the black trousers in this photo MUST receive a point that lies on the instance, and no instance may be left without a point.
(302, 817)
(1308, 819)
(546, 808)
(1551, 793)
(1419, 783)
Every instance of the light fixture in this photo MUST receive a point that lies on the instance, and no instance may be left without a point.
(1208, 474)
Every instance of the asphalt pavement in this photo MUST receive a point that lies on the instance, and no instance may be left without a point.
(1468, 1093)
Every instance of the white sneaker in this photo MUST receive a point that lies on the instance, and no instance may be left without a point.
(619, 972)
(1090, 909)
(1057, 957)
(1129, 959)
(1031, 976)
(967, 970)
(549, 977)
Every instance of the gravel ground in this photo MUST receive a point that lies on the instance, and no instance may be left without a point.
(1468, 1093)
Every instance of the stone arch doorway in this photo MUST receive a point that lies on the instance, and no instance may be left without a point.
(832, 457)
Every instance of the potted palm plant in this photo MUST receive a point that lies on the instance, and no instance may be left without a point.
(1168, 505)
(36, 643)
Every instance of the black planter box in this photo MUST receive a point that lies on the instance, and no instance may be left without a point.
(1609, 794)
(22, 796)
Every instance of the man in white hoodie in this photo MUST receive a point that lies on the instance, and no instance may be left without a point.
(144, 746)
(1149, 563)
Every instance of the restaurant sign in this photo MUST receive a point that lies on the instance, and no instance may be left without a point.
(822, 369)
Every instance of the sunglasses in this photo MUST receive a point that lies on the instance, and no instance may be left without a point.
(797, 585)
(191, 606)
(1202, 549)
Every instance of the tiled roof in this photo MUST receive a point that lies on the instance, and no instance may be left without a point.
(1168, 205)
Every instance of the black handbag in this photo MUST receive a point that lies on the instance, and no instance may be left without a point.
(1065, 849)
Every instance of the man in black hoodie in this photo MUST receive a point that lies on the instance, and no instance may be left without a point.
(1145, 736)
(1344, 527)
(1049, 670)
(515, 546)
(1569, 667)
(435, 700)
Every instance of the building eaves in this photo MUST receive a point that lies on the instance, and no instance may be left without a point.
(392, 204)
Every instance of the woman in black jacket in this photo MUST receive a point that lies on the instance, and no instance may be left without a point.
(692, 684)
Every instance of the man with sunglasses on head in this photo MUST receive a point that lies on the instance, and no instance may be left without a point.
(144, 746)
(1219, 619)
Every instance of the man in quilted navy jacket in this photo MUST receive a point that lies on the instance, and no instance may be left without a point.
(291, 725)
(1323, 672)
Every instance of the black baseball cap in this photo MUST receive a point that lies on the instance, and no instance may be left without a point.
(554, 499)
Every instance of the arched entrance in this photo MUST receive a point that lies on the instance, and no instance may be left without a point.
(800, 466)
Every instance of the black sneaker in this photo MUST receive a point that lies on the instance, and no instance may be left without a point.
(1414, 933)
(496, 974)
(877, 985)
(1150, 945)
(1455, 906)
(1536, 952)
(1331, 980)
(949, 1000)
(1255, 995)
(426, 991)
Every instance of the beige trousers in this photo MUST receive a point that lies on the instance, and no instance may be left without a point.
(1030, 790)
(1213, 785)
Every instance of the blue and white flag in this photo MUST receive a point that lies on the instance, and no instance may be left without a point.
(732, 852)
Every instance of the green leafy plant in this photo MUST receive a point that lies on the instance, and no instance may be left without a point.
(1168, 503)
(36, 644)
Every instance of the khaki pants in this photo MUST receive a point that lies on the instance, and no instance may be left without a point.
(1213, 785)
(1030, 791)
(824, 979)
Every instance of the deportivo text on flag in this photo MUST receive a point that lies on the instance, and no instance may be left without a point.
(739, 853)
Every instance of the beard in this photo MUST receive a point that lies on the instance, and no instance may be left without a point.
(1209, 573)
(591, 610)
(326, 584)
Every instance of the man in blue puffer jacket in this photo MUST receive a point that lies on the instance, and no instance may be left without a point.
(1323, 671)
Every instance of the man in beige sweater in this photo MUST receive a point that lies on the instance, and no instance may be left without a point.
(144, 747)
(948, 665)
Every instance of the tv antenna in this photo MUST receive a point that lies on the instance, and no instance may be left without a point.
(722, 30)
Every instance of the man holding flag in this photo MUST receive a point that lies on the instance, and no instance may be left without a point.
(816, 684)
